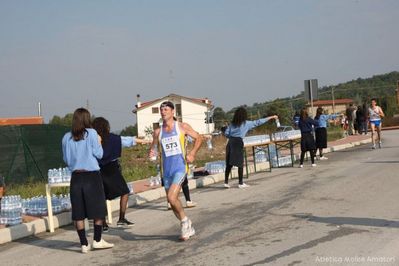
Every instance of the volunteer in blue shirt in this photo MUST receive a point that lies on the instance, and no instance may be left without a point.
(321, 131)
(306, 125)
(235, 132)
(81, 148)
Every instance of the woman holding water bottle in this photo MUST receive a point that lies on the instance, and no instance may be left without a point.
(113, 181)
(321, 131)
(236, 132)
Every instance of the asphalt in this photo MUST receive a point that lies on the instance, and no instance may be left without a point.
(146, 193)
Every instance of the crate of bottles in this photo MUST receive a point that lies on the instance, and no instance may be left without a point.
(286, 135)
(11, 210)
(215, 167)
(282, 161)
(60, 175)
(37, 206)
(256, 140)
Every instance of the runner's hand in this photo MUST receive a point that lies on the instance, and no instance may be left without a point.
(190, 158)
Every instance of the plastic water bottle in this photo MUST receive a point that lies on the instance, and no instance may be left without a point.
(278, 123)
(155, 153)
(209, 144)
(130, 186)
(158, 176)
(152, 181)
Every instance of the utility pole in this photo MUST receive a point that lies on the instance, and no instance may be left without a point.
(39, 111)
(333, 99)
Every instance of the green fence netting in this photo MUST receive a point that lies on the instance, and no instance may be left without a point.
(27, 152)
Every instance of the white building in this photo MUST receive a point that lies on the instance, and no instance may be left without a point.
(189, 110)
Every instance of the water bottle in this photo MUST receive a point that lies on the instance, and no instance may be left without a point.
(154, 153)
(209, 144)
(130, 186)
(278, 123)
(158, 176)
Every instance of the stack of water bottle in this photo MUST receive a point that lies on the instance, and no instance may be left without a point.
(11, 210)
(282, 161)
(256, 140)
(215, 167)
(61, 175)
(37, 206)
(156, 180)
(260, 155)
(287, 135)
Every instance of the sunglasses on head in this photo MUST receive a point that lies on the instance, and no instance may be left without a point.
(167, 104)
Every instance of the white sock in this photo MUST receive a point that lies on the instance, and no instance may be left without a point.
(184, 220)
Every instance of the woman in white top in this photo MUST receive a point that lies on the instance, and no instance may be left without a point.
(375, 115)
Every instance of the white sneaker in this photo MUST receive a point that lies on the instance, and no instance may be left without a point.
(187, 230)
(168, 206)
(379, 144)
(85, 248)
(243, 185)
(323, 158)
(314, 165)
(102, 244)
(226, 185)
(301, 166)
(373, 147)
(190, 204)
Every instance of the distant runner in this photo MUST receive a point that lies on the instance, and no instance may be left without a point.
(375, 115)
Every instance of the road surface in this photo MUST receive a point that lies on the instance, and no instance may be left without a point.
(345, 211)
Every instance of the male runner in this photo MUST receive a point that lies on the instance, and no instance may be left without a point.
(375, 115)
(171, 137)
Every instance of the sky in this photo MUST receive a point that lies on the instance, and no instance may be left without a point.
(69, 54)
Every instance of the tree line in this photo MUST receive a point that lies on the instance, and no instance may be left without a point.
(382, 87)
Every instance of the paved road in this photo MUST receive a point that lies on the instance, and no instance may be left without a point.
(344, 211)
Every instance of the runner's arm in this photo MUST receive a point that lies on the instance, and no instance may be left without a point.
(155, 136)
(381, 112)
(188, 130)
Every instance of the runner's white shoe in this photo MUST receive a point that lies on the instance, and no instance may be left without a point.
(301, 166)
(187, 230)
(226, 185)
(314, 165)
(323, 158)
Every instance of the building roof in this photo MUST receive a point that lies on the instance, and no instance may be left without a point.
(172, 95)
(27, 120)
(330, 102)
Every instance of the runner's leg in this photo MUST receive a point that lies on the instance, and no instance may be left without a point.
(173, 198)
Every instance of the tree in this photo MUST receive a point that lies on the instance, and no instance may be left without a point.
(219, 117)
(129, 131)
(64, 121)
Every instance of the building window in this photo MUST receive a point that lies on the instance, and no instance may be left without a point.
(155, 126)
(155, 110)
(178, 110)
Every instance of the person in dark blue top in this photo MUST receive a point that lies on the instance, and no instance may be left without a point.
(295, 120)
(113, 181)
(306, 125)
(235, 132)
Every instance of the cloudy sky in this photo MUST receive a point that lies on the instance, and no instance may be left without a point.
(67, 53)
